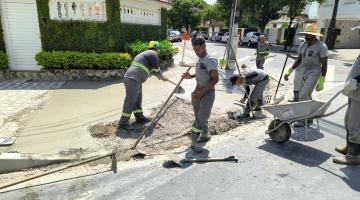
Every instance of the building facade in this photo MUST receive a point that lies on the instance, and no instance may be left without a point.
(348, 16)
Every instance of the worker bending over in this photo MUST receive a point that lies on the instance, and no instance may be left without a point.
(142, 66)
(256, 77)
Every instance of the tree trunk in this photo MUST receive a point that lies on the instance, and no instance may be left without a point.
(331, 34)
(291, 16)
(289, 36)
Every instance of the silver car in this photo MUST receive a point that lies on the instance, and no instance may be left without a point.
(174, 36)
(216, 36)
(250, 39)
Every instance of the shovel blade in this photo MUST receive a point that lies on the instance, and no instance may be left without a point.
(175, 158)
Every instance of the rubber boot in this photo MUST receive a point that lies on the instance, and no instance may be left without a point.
(124, 123)
(141, 119)
(204, 136)
(296, 96)
(194, 143)
(352, 157)
(343, 150)
(257, 107)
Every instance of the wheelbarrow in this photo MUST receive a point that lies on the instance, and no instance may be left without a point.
(279, 129)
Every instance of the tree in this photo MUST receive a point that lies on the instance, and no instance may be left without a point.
(212, 14)
(331, 33)
(225, 10)
(186, 13)
(263, 11)
(293, 9)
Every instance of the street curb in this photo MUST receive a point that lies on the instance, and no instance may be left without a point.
(11, 162)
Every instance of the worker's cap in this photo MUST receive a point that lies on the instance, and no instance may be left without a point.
(154, 45)
(234, 78)
(199, 40)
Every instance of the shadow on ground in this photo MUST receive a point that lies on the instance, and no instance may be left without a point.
(296, 152)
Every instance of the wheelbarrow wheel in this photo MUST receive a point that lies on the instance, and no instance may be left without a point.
(280, 135)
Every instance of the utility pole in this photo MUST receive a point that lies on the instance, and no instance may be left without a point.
(233, 35)
(331, 32)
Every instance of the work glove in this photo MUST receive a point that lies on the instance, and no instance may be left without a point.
(244, 66)
(320, 85)
(286, 76)
(350, 85)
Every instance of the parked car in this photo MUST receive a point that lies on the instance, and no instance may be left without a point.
(194, 33)
(225, 37)
(174, 36)
(204, 34)
(250, 39)
(216, 36)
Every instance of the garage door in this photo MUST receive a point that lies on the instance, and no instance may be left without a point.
(22, 34)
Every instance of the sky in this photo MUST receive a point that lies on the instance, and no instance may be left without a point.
(210, 1)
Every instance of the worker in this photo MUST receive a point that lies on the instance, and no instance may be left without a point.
(262, 51)
(312, 57)
(352, 90)
(142, 66)
(297, 77)
(203, 97)
(256, 77)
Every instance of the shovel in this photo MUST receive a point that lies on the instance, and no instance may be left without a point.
(180, 161)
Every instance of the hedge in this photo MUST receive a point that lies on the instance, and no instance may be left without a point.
(79, 60)
(166, 49)
(3, 60)
(100, 37)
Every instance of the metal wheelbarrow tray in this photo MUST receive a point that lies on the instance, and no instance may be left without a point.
(279, 129)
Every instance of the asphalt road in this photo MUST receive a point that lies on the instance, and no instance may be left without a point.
(299, 169)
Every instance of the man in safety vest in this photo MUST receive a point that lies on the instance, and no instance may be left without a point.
(143, 65)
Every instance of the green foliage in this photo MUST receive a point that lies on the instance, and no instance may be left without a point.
(79, 60)
(263, 11)
(212, 14)
(2, 43)
(3, 60)
(100, 37)
(186, 13)
(166, 49)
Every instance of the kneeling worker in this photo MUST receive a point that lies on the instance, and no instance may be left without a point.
(142, 66)
(256, 77)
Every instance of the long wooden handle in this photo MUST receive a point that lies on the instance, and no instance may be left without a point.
(158, 113)
(172, 82)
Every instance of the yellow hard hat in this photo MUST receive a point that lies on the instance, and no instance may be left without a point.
(153, 45)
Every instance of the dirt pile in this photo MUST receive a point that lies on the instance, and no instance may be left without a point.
(170, 130)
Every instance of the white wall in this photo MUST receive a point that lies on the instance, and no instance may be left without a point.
(348, 16)
(348, 9)
(135, 12)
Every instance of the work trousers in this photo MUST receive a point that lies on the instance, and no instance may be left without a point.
(202, 110)
(308, 84)
(133, 99)
(260, 63)
(352, 125)
(256, 95)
